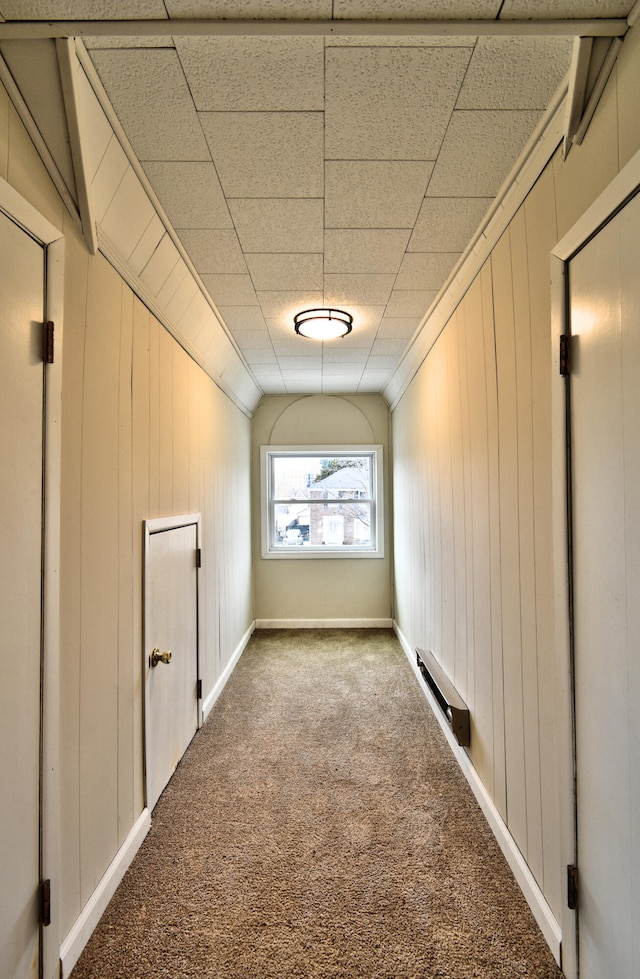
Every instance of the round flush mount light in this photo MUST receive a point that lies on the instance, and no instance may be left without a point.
(323, 324)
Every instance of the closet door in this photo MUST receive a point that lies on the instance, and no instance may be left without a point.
(604, 282)
(21, 462)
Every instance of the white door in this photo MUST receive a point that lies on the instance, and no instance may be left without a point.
(171, 654)
(21, 403)
(604, 281)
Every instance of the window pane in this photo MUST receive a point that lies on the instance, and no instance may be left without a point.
(317, 478)
(322, 524)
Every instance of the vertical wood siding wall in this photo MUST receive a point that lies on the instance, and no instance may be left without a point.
(472, 489)
(145, 433)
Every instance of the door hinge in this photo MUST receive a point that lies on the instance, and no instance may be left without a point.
(47, 342)
(199, 689)
(565, 354)
(198, 557)
(572, 887)
(45, 902)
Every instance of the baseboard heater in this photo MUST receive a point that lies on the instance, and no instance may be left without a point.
(452, 704)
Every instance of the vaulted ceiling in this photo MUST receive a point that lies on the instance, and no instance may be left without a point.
(325, 152)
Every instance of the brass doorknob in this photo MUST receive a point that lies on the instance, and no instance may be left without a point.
(158, 657)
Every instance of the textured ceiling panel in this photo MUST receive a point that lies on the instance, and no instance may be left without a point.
(390, 103)
(497, 138)
(565, 8)
(190, 193)
(267, 154)
(214, 251)
(364, 251)
(83, 9)
(374, 194)
(425, 270)
(279, 225)
(300, 170)
(149, 92)
(514, 72)
(446, 224)
(254, 74)
(245, 9)
(417, 9)
(285, 272)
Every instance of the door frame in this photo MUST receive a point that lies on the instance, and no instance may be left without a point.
(21, 212)
(150, 527)
(615, 195)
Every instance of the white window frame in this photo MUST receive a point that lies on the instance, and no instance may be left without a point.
(338, 552)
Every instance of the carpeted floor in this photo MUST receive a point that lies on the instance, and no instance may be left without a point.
(318, 826)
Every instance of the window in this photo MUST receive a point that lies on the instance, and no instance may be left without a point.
(322, 501)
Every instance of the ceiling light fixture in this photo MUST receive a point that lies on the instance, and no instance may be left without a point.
(323, 324)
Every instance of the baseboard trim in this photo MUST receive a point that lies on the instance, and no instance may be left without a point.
(95, 907)
(547, 921)
(210, 699)
(324, 623)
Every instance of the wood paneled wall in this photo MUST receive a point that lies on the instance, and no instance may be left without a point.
(145, 433)
(473, 525)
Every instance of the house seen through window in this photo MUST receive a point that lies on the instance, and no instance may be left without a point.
(322, 501)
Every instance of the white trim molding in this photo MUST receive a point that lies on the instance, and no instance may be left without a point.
(211, 698)
(530, 888)
(324, 623)
(95, 907)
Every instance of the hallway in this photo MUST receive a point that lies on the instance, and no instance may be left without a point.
(318, 825)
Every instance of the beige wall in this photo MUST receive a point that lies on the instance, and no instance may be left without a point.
(473, 491)
(324, 589)
(145, 433)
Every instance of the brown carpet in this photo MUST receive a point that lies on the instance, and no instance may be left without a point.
(318, 826)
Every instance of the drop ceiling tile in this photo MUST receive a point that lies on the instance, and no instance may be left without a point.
(340, 368)
(138, 41)
(254, 74)
(374, 194)
(230, 290)
(83, 9)
(417, 9)
(410, 302)
(344, 354)
(267, 154)
(364, 250)
(297, 385)
(374, 380)
(400, 41)
(401, 328)
(250, 9)
(447, 223)
(190, 193)
(262, 357)
(542, 9)
(497, 139)
(242, 317)
(253, 339)
(150, 95)
(390, 103)
(214, 251)
(375, 363)
(285, 272)
(344, 289)
(340, 385)
(291, 346)
(303, 363)
(425, 270)
(388, 348)
(279, 225)
(515, 72)
(280, 307)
